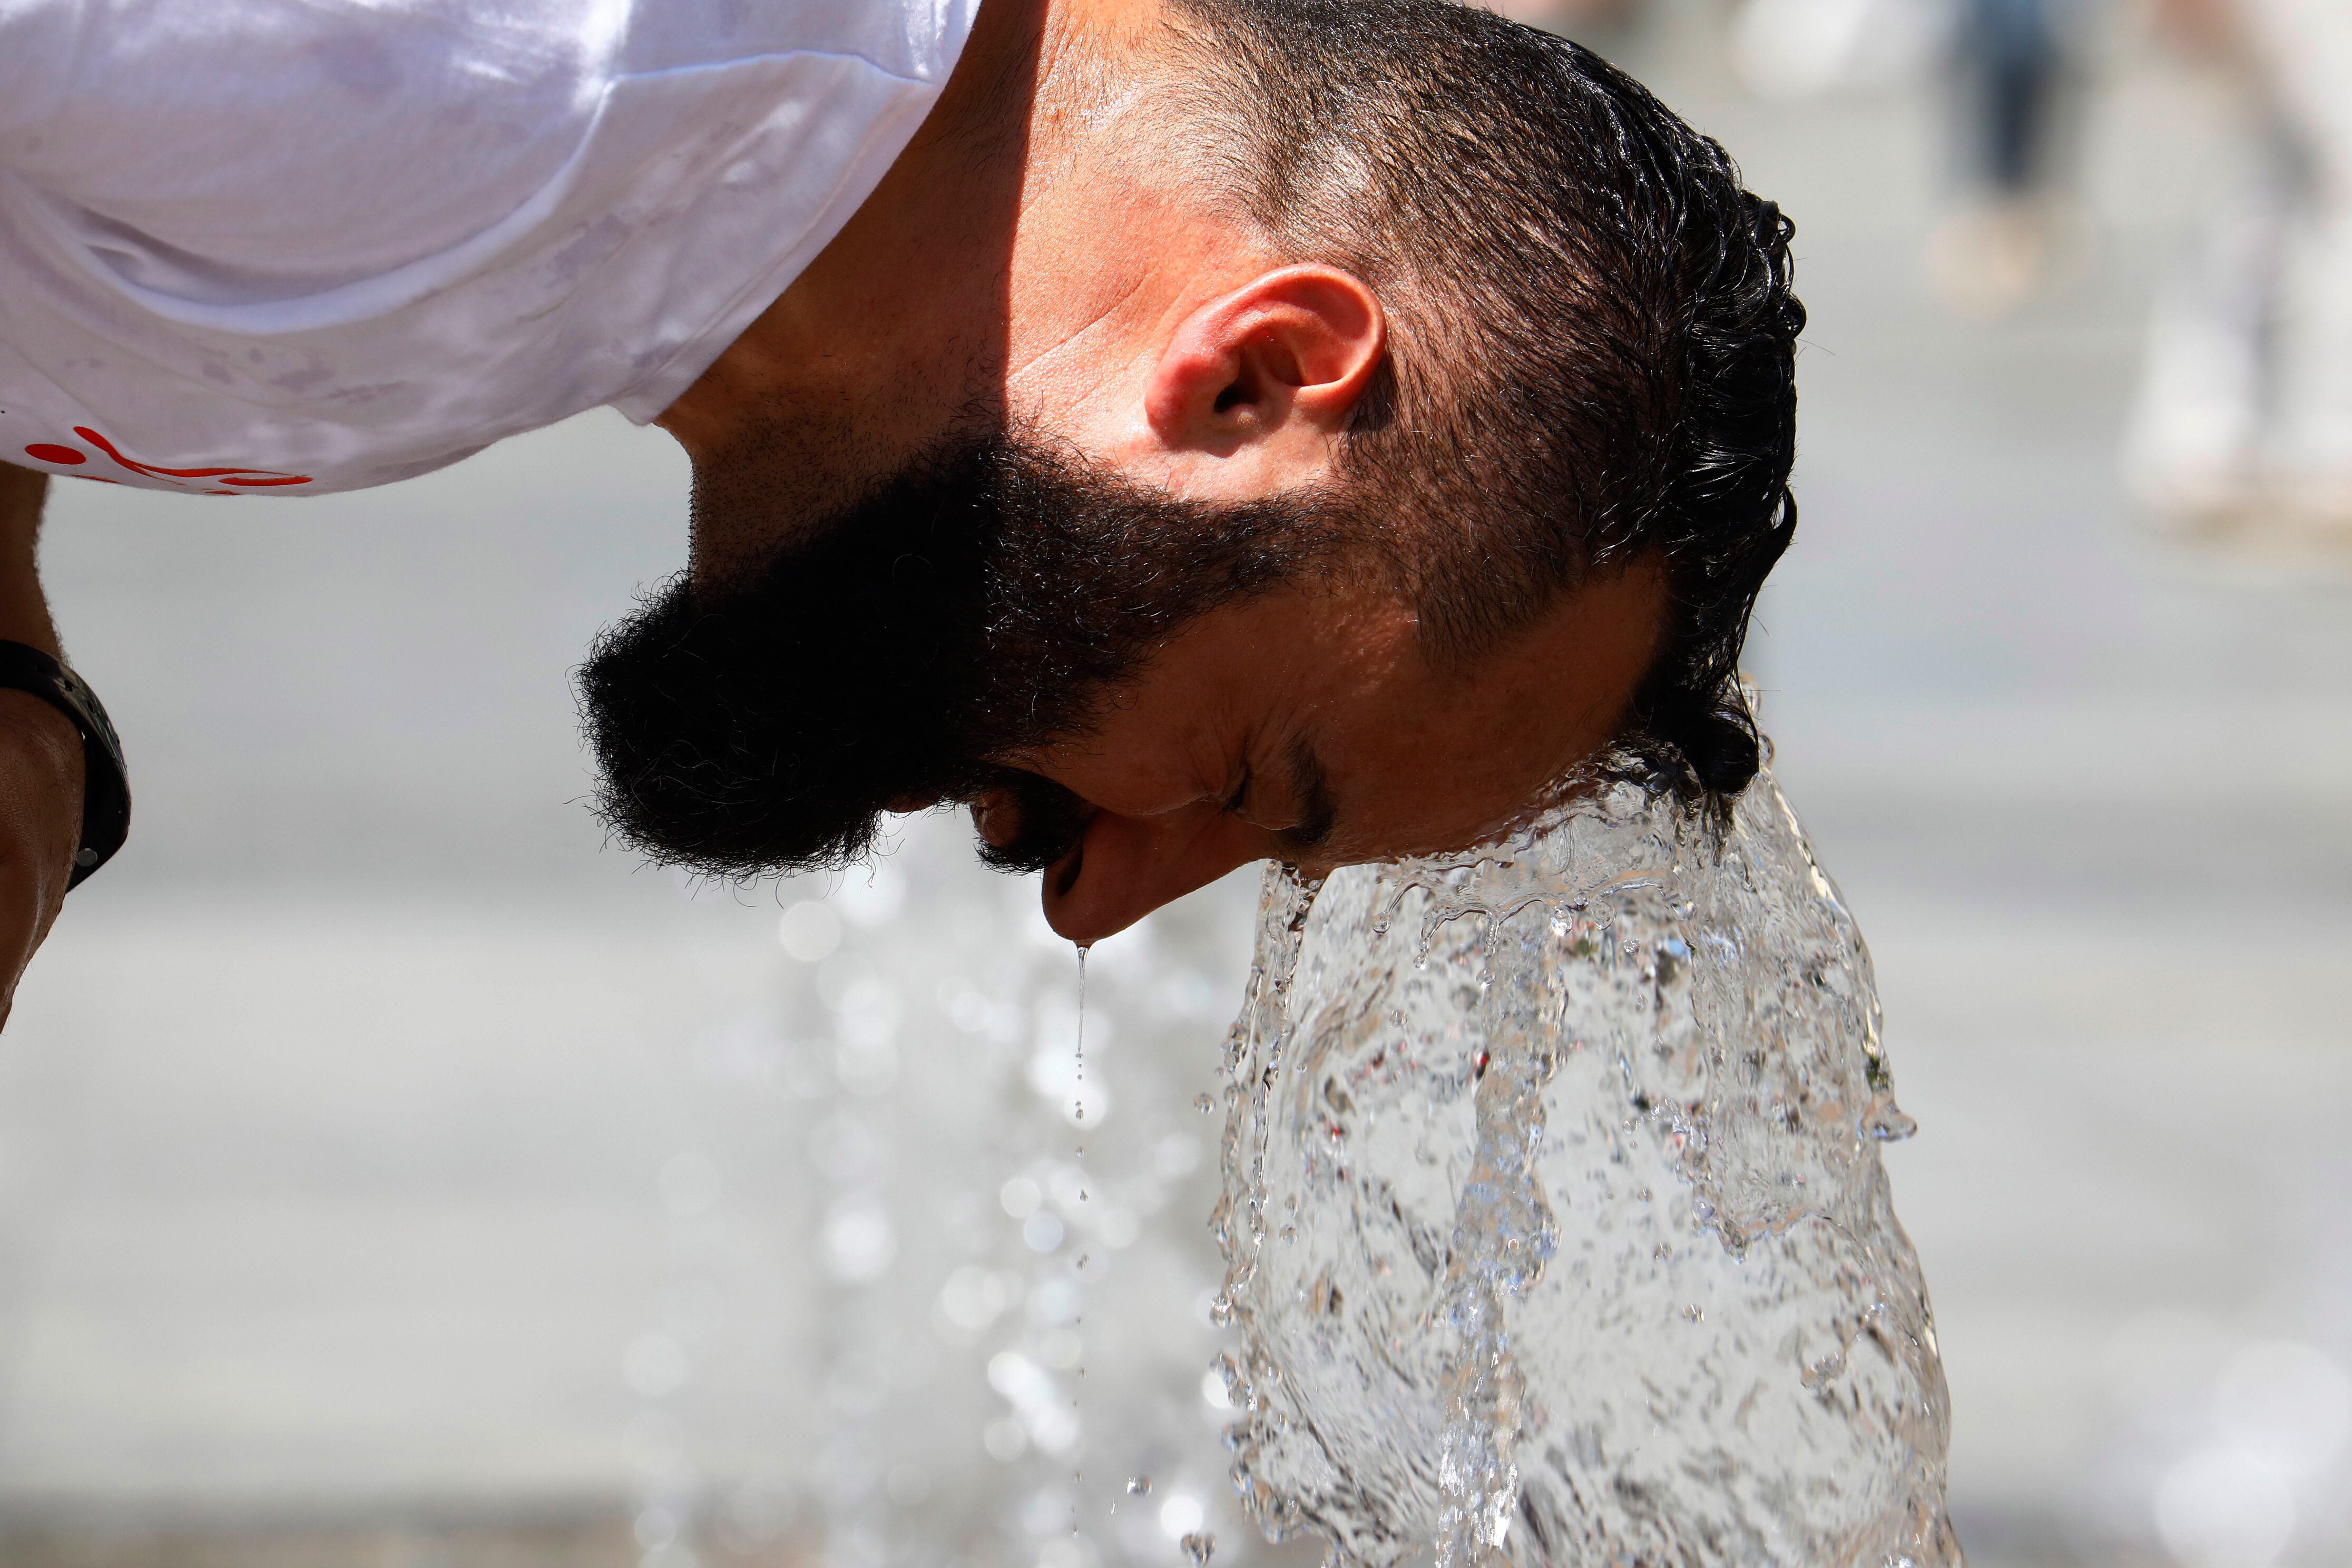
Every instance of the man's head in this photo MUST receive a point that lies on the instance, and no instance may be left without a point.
(1378, 410)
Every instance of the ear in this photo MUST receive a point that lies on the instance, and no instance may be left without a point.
(1290, 352)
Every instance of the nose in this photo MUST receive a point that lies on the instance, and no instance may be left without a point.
(1126, 866)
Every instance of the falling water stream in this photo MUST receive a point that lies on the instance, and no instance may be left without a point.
(1552, 1228)
(1554, 1220)
(1078, 1118)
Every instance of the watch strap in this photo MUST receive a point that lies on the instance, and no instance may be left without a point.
(106, 785)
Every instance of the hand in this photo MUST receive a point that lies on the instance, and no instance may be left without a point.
(40, 827)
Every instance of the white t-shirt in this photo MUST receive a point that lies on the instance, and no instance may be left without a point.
(288, 247)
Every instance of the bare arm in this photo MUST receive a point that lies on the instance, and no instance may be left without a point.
(2206, 30)
(40, 754)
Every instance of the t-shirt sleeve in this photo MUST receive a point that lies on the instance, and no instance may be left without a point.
(238, 150)
(36, 49)
(288, 247)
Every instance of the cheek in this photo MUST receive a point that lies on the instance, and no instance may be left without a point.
(1172, 740)
(1130, 769)
(1431, 785)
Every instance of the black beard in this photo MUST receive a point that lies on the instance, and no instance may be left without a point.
(986, 600)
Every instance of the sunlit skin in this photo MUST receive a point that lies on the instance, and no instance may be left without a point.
(1111, 306)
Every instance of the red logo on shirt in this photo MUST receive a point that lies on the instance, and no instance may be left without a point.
(70, 457)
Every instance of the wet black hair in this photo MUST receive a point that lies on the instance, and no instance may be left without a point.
(1593, 321)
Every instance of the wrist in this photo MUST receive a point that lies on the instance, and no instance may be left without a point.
(32, 725)
(42, 761)
(105, 817)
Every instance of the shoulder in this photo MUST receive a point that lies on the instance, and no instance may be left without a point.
(335, 142)
(267, 133)
(915, 39)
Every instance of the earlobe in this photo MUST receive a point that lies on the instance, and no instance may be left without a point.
(1295, 347)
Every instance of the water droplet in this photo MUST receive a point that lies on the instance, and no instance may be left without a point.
(1200, 1547)
(1203, 1104)
(1885, 1121)
(1136, 1486)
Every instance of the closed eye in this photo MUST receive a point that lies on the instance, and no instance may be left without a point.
(1318, 814)
(1237, 802)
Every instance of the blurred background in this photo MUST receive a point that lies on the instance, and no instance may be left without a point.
(390, 1174)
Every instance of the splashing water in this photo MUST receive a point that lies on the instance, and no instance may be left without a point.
(1553, 1214)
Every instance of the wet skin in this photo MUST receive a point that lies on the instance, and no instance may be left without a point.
(1308, 728)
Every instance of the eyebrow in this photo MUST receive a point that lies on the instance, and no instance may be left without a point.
(1318, 813)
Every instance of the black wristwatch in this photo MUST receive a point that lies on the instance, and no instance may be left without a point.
(105, 787)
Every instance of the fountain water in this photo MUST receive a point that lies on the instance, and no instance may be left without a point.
(1553, 1213)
